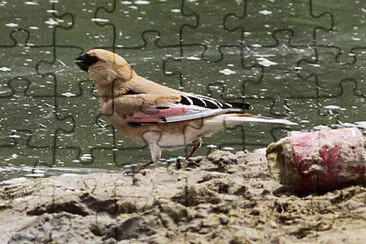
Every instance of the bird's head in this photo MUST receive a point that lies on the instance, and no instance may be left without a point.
(105, 66)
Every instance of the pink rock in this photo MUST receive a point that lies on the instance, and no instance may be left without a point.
(320, 160)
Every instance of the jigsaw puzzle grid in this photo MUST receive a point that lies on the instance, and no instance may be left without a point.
(53, 118)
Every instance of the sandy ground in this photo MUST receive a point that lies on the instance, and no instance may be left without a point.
(222, 198)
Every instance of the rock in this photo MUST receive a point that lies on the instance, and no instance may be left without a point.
(133, 228)
(190, 196)
(225, 157)
(175, 211)
(224, 220)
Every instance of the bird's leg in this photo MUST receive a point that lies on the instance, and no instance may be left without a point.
(155, 156)
(196, 144)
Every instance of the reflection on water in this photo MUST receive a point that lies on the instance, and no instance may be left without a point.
(287, 58)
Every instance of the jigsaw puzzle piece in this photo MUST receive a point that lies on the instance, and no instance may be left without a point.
(328, 83)
(210, 30)
(20, 60)
(89, 133)
(126, 155)
(260, 19)
(143, 16)
(60, 68)
(149, 59)
(18, 15)
(35, 119)
(348, 28)
(39, 65)
(261, 105)
(309, 112)
(347, 105)
(24, 151)
(280, 71)
(260, 136)
(227, 77)
(342, 107)
(83, 16)
(360, 62)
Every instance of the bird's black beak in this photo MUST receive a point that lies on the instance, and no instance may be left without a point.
(85, 60)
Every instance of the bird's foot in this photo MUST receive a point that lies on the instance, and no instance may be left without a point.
(134, 170)
(141, 167)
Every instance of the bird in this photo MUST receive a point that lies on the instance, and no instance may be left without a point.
(155, 115)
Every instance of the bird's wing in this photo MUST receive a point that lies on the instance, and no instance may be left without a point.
(160, 109)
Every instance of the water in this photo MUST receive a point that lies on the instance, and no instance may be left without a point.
(302, 60)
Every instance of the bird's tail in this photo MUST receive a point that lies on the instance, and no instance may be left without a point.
(210, 125)
(238, 119)
(235, 119)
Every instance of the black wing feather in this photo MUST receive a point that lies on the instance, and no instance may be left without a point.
(205, 102)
